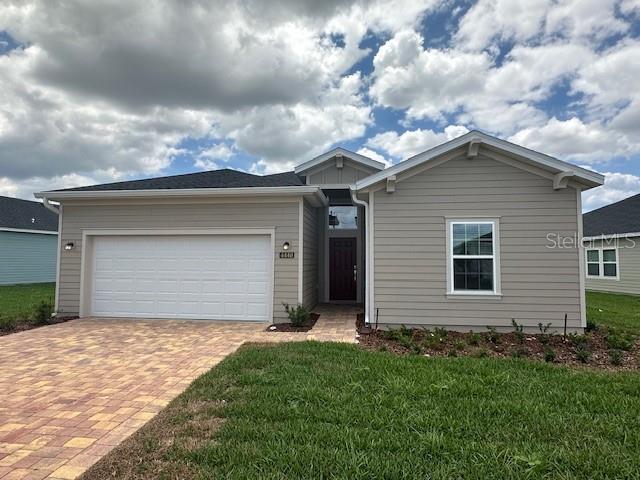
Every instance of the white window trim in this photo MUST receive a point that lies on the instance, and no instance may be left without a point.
(601, 263)
(497, 285)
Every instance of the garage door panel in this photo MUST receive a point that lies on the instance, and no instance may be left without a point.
(201, 276)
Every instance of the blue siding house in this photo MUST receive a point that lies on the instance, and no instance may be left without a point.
(28, 242)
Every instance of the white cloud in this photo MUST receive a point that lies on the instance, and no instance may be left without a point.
(617, 186)
(25, 188)
(373, 155)
(207, 158)
(413, 142)
(574, 140)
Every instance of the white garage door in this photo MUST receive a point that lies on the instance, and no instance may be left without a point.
(217, 277)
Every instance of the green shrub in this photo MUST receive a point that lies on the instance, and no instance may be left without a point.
(583, 353)
(459, 345)
(549, 355)
(616, 357)
(518, 330)
(440, 332)
(591, 325)
(579, 341)
(494, 336)
(474, 338)
(42, 313)
(519, 352)
(452, 353)
(480, 353)
(298, 315)
(7, 324)
(619, 340)
(544, 335)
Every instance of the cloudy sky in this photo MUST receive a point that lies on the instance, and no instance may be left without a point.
(101, 91)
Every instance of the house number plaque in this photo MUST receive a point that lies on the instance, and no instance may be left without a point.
(287, 254)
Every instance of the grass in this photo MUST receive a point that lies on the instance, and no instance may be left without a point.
(621, 312)
(311, 410)
(18, 302)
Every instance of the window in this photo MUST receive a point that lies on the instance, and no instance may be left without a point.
(343, 218)
(473, 257)
(602, 263)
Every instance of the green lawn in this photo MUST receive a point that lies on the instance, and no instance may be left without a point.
(19, 301)
(311, 410)
(614, 310)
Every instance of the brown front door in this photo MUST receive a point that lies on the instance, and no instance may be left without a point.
(342, 268)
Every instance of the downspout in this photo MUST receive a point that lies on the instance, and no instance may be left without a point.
(49, 206)
(367, 249)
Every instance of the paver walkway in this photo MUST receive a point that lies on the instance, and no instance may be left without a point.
(71, 392)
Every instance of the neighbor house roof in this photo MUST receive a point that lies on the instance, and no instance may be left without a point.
(474, 139)
(225, 178)
(622, 217)
(18, 214)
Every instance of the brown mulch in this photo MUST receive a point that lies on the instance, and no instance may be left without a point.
(287, 327)
(507, 345)
(24, 325)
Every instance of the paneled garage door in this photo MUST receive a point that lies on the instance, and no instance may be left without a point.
(217, 277)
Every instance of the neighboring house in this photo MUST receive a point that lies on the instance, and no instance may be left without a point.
(28, 242)
(457, 236)
(612, 247)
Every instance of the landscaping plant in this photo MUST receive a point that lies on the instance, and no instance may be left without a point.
(298, 315)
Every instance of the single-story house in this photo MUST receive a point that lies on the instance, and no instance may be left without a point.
(457, 236)
(28, 242)
(612, 247)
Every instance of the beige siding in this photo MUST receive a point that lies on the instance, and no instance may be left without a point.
(539, 284)
(628, 265)
(281, 215)
(310, 263)
(328, 173)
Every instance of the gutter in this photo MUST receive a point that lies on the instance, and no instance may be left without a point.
(367, 254)
(48, 205)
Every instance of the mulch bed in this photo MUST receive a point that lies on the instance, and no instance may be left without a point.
(593, 349)
(24, 325)
(287, 327)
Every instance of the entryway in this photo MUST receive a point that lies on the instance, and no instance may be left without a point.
(343, 269)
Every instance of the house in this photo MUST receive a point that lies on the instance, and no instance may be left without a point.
(457, 236)
(28, 242)
(612, 247)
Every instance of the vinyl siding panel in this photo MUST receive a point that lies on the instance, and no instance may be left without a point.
(27, 258)
(539, 284)
(629, 268)
(281, 215)
(328, 173)
(311, 238)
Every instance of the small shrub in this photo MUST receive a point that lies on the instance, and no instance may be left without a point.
(452, 353)
(544, 335)
(579, 340)
(616, 357)
(619, 340)
(549, 355)
(42, 312)
(432, 342)
(459, 345)
(518, 330)
(480, 353)
(494, 337)
(298, 315)
(383, 348)
(440, 332)
(591, 325)
(7, 324)
(583, 353)
(474, 338)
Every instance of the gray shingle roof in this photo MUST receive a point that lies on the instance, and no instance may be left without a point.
(619, 217)
(26, 215)
(225, 178)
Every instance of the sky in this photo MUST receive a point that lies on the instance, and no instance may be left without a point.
(94, 92)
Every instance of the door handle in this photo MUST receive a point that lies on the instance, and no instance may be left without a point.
(355, 272)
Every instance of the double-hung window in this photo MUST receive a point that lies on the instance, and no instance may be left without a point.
(473, 257)
(602, 263)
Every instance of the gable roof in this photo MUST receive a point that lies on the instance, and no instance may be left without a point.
(225, 178)
(615, 219)
(353, 156)
(19, 214)
(546, 162)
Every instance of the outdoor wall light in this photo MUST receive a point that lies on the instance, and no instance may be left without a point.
(69, 246)
(285, 246)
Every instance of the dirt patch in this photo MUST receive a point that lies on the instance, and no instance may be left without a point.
(159, 449)
(603, 349)
(287, 327)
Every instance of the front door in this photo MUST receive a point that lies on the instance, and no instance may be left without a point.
(342, 269)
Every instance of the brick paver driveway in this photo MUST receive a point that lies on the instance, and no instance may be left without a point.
(70, 392)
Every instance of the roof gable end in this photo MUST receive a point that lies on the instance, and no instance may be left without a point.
(339, 152)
